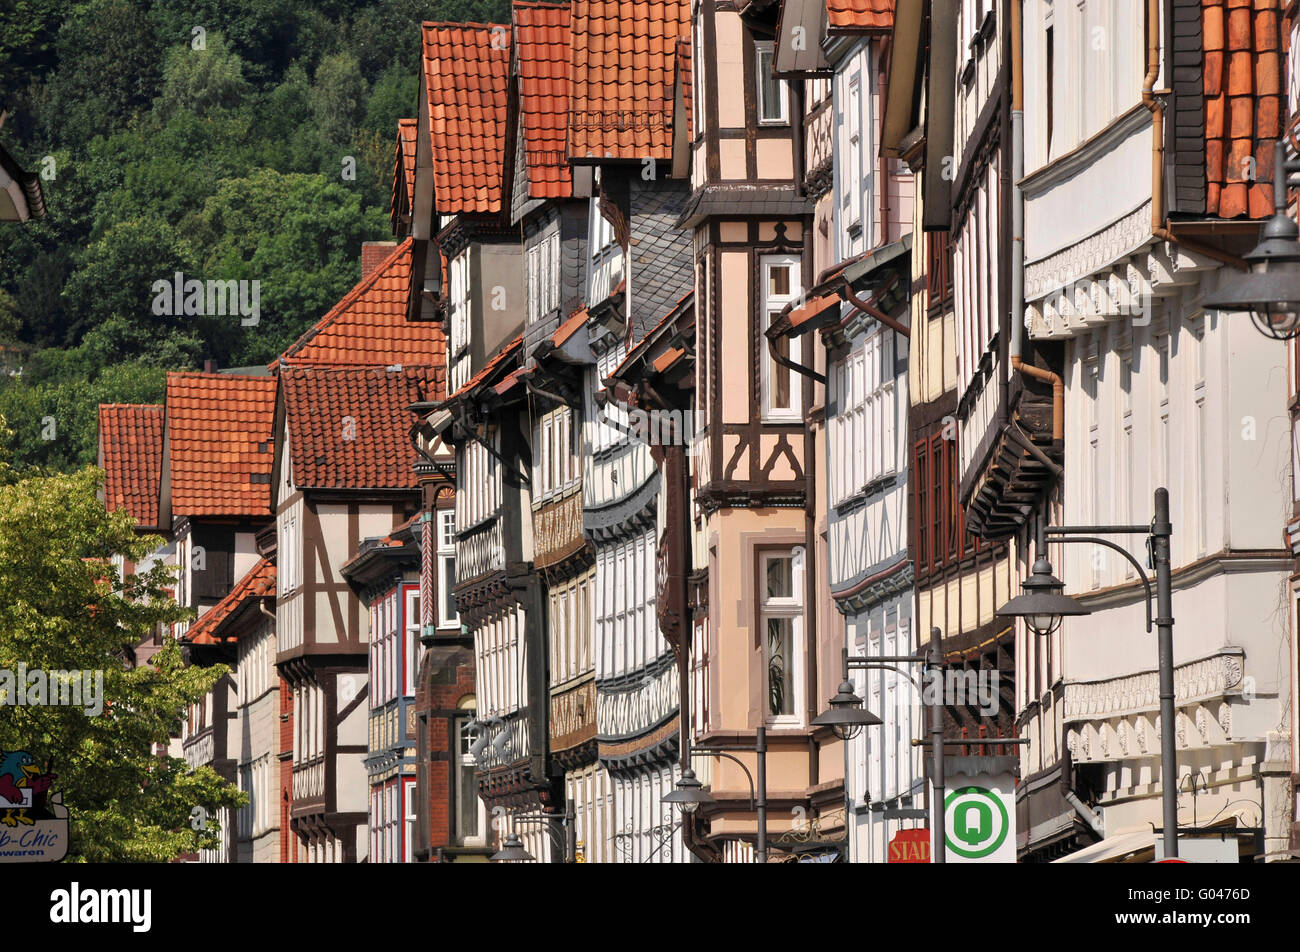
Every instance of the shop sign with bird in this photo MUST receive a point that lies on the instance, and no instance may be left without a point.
(33, 819)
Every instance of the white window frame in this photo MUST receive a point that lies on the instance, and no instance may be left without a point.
(460, 322)
(853, 141)
(698, 118)
(556, 468)
(791, 608)
(446, 556)
(463, 760)
(763, 59)
(411, 635)
(772, 305)
(408, 819)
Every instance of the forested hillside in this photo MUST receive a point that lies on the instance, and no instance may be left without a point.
(224, 139)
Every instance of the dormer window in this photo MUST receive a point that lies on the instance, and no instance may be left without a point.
(773, 103)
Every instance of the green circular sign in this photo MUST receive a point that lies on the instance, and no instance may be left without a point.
(987, 833)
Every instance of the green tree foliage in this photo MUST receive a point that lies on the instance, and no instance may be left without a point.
(338, 96)
(63, 607)
(227, 139)
(297, 235)
(54, 418)
(202, 81)
(109, 68)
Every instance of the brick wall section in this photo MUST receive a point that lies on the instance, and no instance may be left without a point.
(373, 254)
(446, 677)
(288, 842)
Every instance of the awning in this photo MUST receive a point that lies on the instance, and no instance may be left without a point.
(820, 309)
(1114, 849)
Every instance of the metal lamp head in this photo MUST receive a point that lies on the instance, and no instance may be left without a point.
(512, 851)
(1042, 605)
(847, 715)
(689, 793)
(1271, 290)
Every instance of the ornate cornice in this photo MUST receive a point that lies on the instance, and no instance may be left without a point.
(1216, 676)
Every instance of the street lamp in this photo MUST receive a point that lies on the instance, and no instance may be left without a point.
(564, 837)
(847, 715)
(512, 851)
(689, 794)
(1042, 605)
(1271, 291)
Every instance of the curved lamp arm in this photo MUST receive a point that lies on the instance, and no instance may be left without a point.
(553, 829)
(701, 751)
(1146, 581)
(890, 667)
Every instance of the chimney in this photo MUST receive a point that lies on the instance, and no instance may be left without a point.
(209, 366)
(373, 254)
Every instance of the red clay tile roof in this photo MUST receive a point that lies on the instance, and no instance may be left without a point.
(860, 14)
(258, 583)
(543, 51)
(684, 76)
(489, 368)
(349, 427)
(640, 346)
(219, 442)
(131, 448)
(467, 74)
(368, 327)
(1243, 71)
(404, 166)
(575, 321)
(623, 63)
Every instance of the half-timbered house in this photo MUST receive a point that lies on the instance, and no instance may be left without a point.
(558, 360)
(130, 452)
(947, 120)
(214, 500)
(773, 662)
(861, 254)
(1177, 133)
(638, 265)
(463, 170)
(238, 722)
(342, 474)
(385, 576)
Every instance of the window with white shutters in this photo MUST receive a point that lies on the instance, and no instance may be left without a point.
(555, 454)
(862, 431)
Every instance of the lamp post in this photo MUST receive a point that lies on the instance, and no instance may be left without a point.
(689, 794)
(848, 714)
(1271, 290)
(565, 840)
(1043, 604)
